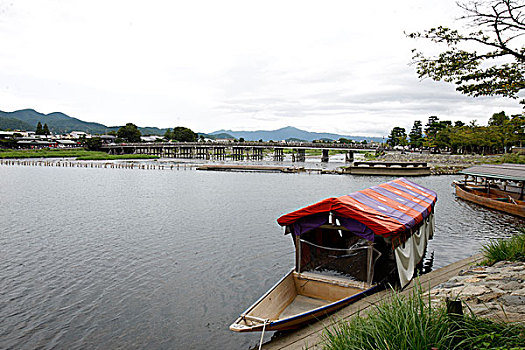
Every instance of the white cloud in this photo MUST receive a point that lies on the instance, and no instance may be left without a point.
(331, 66)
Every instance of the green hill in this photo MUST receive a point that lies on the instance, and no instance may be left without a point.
(14, 124)
(27, 119)
(57, 122)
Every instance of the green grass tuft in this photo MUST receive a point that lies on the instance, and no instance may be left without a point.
(512, 249)
(411, 322)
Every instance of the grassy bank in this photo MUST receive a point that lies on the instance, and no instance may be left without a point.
(511, 158)
(512, 249)
(79, 154)
(412, 322)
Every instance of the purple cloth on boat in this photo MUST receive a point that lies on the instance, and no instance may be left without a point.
(357, 228)
(308, 223)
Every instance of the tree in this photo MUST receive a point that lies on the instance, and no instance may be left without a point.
(241, 139)
(45, 130)
(129, 133)
(93, 144)
(397, 137)
(168, 135)
(183, 134)
(498, 119)
(39, 130)
(416, 135)
(487, 61)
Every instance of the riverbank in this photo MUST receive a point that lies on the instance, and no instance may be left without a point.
(441, 164)
(311, 335)
(78, 153)
(496, 292)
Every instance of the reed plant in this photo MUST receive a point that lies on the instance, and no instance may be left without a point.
(412, 322)
(403, 323)
(512, 249)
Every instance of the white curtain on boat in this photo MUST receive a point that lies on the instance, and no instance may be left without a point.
(411, 252)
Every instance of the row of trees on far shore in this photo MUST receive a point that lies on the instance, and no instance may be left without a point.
(131, 133)
(501, 133)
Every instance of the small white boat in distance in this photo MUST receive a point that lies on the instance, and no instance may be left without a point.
(346, 248)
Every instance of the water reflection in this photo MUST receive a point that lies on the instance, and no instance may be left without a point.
(110, 258)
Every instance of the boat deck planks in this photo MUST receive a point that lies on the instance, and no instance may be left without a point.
(311, 335)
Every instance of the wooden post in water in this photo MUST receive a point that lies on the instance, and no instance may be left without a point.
(324, 157)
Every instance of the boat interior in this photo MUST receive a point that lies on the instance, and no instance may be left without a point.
(493, 193)
(298, 293)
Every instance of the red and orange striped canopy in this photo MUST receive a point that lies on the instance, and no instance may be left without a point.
(389, 209)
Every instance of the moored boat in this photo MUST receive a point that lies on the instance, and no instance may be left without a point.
(498, 187)
(346, 248)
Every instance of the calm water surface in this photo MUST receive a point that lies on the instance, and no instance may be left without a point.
(136, 259)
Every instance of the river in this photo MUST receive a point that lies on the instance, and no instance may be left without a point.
(151, 259)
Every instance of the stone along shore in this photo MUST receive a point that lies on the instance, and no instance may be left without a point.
(496, 292)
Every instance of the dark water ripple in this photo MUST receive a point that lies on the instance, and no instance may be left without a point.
(124, 259)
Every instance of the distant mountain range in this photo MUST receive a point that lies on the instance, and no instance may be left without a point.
(57, 122)
(290, 133)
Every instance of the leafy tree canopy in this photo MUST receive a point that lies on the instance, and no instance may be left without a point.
(488, 59)
(129, 133)
(498, 119)
(181, 134)
(397, 137)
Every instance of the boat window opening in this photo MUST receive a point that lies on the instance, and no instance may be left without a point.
(338, 253)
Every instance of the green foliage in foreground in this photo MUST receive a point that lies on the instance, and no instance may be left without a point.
(411, 322)
(79, 154)
(512, 249)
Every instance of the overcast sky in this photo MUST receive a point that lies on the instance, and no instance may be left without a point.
(330, 66)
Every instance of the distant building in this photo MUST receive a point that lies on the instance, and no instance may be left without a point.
(79, 134)
(151, 138)
(107, 138)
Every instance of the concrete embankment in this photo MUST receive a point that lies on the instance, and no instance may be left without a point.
(440, 164)
(482, 289)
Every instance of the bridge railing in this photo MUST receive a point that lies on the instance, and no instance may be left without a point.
(245, 144)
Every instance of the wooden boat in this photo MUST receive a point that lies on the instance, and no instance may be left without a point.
(504, 201)
(345, 248)
(495, 186)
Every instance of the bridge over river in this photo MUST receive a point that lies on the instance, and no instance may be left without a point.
(235, 150)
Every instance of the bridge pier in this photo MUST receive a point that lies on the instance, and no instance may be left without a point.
(278, 154)
(202, 153)
(257, 153)
(324, 157)
(186, 152)
(219, 153)
(237, 153)
(349, 157)
(298, 155)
